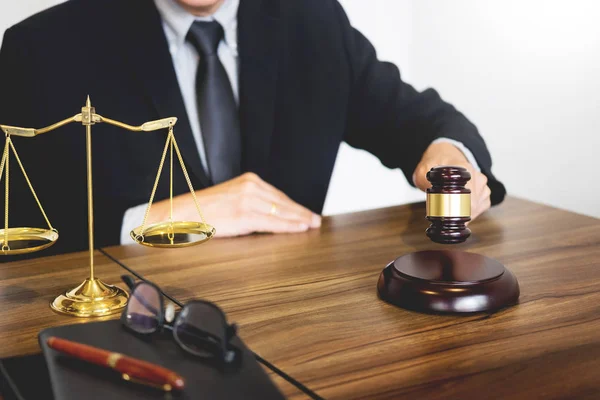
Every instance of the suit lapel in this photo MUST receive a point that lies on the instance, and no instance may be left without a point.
(146, 50)
(259, 38)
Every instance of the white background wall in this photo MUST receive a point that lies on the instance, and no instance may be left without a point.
(12, 11)
(527, 72)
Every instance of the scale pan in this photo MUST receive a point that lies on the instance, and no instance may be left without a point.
(26, 240)
(173, 234)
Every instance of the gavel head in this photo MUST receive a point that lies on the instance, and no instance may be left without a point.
(448, 204)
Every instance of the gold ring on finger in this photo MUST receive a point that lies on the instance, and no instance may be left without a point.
(274, 210)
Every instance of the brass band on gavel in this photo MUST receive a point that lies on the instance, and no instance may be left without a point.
(448, 204)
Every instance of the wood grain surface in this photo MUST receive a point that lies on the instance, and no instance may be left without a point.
(308, 303)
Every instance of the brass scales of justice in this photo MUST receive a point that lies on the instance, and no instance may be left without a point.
(94, 298)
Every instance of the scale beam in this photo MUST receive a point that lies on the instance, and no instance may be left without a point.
(96, 119)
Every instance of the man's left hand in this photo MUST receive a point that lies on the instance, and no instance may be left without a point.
(447, 154)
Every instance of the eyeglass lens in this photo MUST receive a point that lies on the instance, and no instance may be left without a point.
(143, 309)
(200, 328)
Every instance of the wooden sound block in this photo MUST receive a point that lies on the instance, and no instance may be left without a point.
(447, 281)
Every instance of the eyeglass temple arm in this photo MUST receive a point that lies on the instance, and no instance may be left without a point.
(128, 280)
(231, 331)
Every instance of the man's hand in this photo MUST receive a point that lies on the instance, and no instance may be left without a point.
(447, 154)
(241, 206)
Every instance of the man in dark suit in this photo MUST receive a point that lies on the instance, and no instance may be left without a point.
(265, 92)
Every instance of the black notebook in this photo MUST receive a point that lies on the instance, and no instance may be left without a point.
(75, 379)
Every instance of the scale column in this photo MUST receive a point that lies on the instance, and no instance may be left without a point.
(92, 298)
(87, 120)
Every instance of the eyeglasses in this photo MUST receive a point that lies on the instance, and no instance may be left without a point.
(200, 328)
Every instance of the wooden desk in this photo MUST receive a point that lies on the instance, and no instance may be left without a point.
(308, 303)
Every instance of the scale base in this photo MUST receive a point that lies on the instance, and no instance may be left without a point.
(447, 281)
(93, 298)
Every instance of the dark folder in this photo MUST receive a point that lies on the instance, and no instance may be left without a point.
(24, 378)
(75, 379)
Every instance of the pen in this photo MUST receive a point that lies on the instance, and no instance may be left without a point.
(130, 368)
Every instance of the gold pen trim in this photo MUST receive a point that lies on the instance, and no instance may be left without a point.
(112, 359)
(166, 387)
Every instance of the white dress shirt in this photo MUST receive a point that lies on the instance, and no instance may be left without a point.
(176, 23)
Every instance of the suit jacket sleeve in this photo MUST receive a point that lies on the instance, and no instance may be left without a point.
(396, 123)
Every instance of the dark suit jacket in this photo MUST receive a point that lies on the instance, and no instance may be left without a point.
(308, 81)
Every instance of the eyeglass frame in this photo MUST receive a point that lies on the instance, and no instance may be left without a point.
(228, 353)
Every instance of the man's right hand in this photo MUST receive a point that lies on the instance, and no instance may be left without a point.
(240, 206)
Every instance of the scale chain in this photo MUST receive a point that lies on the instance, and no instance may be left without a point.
(187, 177)
(140, 235)
(5, 163)
(2, 162)
(30, 186)
(171, 144)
